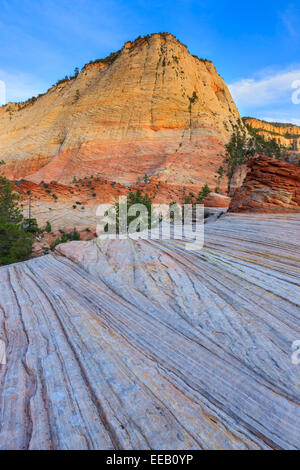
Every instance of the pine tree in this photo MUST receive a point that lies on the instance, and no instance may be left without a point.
(48, 228)
(203, 193)
(238, 153)
(241, 148)
(132, 199)
(15, 241)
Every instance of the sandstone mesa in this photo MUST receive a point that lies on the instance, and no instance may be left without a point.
(287, 135)
(154, 109)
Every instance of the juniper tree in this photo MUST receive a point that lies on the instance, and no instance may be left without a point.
(15, 241)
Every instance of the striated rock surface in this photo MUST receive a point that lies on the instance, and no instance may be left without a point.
(152, 108)
(270, 186)
(143, 345)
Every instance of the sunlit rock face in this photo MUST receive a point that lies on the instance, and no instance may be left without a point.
(287, 135)
(144, 345)
(154, 109)
(270, 186)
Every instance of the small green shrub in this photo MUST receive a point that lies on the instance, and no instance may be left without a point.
(48, 228)
(16, 233)
(203, 193)
(66, 237)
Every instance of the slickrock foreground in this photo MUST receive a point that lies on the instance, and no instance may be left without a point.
(141, 344)
(270, 186)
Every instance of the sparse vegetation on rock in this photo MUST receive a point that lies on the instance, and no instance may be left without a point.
(48, 227)
(16, 232)
(66, 237)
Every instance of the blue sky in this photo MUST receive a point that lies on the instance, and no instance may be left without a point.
(254, 45)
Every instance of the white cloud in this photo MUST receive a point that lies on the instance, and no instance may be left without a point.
(20, 86)
(290, 19)
(272, 90)
(283, 120)
(296, 121)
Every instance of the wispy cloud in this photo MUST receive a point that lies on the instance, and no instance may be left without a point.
(269, 95)
(280, 119)
(20, 86)
(290, 19)
(275, 89)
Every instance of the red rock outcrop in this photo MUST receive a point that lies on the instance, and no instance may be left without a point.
(75, 205)
(217, 200)
(270, 186)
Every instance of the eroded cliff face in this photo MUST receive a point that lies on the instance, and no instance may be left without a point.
(285, 134)
(154, 109)
(270, 186)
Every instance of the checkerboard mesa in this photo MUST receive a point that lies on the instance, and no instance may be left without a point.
(151, 108)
